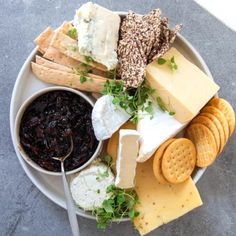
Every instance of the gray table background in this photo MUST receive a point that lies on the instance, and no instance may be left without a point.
(26, 211)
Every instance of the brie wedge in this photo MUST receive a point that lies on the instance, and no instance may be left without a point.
(126, 158)
(98, 32)
(88, 188)
(107, 118)
(156, 130)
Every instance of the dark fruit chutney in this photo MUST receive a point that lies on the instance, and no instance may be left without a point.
(46, 127)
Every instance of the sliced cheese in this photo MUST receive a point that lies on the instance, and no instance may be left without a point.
(160, 204)
(98, 32)
(126, 161)
(186, 90)
(155, 131)
(107, 118)
(88, 187)
(113, 143)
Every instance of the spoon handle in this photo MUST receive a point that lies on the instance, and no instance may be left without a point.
(70, 204)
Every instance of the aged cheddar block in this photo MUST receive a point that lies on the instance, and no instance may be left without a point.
(126, 158)
(160, 204)
(185, 90)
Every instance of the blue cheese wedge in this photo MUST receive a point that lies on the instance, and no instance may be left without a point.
(126, 158)
(107, 118)
(98, 31)
(155, 131)
(88, 188)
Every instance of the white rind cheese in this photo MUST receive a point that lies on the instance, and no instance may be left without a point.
(107, 118)
(154, 131)
(98, 32)
(88, 188)
(126, 158)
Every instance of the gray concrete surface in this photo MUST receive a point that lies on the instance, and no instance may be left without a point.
(26, 211)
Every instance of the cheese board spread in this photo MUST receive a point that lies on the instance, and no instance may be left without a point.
(155, 112)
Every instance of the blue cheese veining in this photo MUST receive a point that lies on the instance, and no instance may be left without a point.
(98, 31)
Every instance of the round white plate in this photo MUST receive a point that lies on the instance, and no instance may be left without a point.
(26, 84)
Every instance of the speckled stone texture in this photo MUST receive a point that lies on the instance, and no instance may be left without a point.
(26, 211)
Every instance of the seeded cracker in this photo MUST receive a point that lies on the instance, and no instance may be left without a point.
(143, 38)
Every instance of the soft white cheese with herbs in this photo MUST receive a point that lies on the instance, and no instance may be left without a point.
(98, 32)
(126, 158)
(88, 188)
(107, 118)
(155, 130)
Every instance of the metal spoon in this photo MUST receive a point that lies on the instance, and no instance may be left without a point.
(69, 201)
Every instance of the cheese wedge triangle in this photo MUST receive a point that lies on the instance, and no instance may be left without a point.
(160, 204)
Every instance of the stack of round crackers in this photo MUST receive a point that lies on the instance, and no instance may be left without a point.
(210, 130)
(174, 161)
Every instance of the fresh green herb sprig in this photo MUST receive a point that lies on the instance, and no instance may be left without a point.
(88, 59)
(82, 79)
(131, 100)
(83, 72)
(121, 203)
(73, 48)
(112, 74)
(108, 161)
(161, 61)
(72, 33)
(171, 62)
(164, 107)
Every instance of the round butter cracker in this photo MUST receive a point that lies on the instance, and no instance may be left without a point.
(226, 109)
(219, 128)
(210, 125)
(204, 142)
(220, 116)
(157, 162)
(179, 160)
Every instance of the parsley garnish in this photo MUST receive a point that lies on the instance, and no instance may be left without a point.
(83, 73)
(171, 62)
(164, 107)
(171, 113)
(108, 160)
(161, 61)
(121, 203)
(131, 100)
(72, 33)
(88, 59)
(103, 175)
(82, 79)
(111, 74)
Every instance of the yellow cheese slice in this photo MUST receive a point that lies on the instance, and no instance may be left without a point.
(160, 204)
(185, 90)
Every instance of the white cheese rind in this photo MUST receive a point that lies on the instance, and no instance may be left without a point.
(98, 32)
(88, 188)
(154, 131)
(126, 158)
(107, 118)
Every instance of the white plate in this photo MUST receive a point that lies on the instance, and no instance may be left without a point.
(26, 84)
